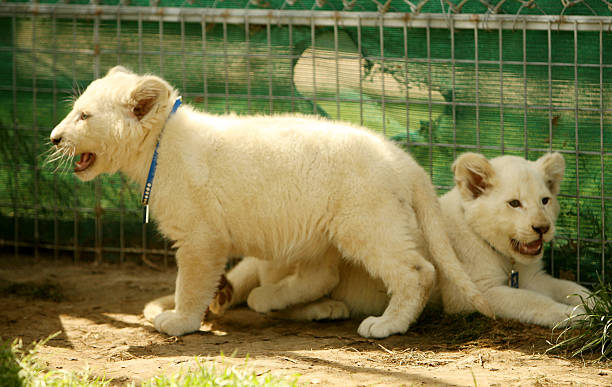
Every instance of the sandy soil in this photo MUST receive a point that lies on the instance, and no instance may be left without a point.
(100, 319)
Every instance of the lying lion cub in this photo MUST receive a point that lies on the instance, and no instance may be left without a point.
(498, 217)
(294, 190)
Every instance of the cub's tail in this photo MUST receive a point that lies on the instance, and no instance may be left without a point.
(429, 215)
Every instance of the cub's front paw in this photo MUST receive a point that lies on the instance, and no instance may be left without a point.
(176, 324)
(575, 314)
(380, 327)
(568, 316)
(264, 299)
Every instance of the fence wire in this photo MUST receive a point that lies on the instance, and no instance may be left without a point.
(438, 84)
(508, 7)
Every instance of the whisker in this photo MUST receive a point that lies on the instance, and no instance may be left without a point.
(47, 152)
(53, 158)
(69, 100)
(65, 163)
(62, 155)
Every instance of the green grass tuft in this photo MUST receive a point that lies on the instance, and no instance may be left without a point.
(207, 374)
(20, 366)
(9, 366)
(592, 333)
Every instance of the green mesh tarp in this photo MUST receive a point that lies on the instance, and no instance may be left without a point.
(437, 93)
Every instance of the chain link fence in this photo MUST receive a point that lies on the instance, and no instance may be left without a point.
(439, 77)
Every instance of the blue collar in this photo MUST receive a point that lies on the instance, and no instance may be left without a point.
(149, 185)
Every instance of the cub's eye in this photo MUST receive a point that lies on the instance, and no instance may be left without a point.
(514, 203)
(545, 201)
(84, 116)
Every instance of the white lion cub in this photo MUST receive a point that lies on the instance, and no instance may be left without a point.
(498, 217)
(500, 214)
(290, 189)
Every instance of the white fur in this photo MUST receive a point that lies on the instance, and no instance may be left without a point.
(481, 224)
(299, 191)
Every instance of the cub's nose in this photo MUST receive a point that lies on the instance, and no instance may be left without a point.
(541, 229)
(56, 140)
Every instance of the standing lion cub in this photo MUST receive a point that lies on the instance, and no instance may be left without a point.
(498, 217)
(289, 189)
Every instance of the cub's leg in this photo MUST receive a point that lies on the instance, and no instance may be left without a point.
(528, 306)
(249, 273)
(385, 243)
(323, 309)
(311, 280)
(200, 265)
(244, 277)
(563, 291)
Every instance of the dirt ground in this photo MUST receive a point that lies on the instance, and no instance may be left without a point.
(99, 315)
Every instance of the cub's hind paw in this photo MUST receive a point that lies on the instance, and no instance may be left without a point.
(263, 300)
(328, 310)
(380, 327)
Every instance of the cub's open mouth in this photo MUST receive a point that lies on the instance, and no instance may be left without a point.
(86, 160)
(531, 248)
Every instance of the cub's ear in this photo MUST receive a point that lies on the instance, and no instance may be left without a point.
(118, 69)
(149, 93)
(473, 174)
(553, 167)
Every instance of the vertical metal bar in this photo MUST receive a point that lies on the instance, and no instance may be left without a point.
(477, 80)
(35, 128)
(406, 82)
(204, 62)
(314, 68)
(96, 46)
(144, 242)
(525, 102)
(292, 62)
(550, 106)
(337, 68)
(118, 38)
(359, 48)
(122, 220)
(77, 253)
(15, 132)
(381, 38)
(123, 182)
(453, 87)
(183, 73)
(247, 40)
(270, 68)
(97, 184)
(161, 46)
(54, 107)
(500, 38)
(140, 42)
(577, 148)
(225, 66)
(429, 100)
(550, 131)
(601, 156)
